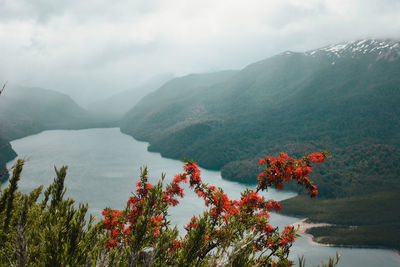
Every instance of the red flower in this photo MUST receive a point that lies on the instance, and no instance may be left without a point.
(111, 243)
(176, 244)
(114, 233)
(269, 228)
(299, 171)
(317, 157)
(314, 193)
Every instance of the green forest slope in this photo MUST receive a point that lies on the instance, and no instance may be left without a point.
(25, 111)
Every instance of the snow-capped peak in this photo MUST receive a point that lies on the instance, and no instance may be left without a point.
(369, 46)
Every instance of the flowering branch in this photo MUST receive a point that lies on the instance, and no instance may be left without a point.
(142, 229)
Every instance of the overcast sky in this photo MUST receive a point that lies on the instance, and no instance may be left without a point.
(94, 48)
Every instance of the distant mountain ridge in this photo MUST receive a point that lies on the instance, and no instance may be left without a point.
(115, 106)
(25, 111)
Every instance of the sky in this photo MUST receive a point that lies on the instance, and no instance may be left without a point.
(92, 49)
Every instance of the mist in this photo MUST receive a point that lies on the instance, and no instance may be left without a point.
(94, 49)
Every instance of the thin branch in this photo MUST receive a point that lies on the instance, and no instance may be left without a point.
(5, 171)
(4, 87)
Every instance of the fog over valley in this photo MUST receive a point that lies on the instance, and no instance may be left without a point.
(95, 49)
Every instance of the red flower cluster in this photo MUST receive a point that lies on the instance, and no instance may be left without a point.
(111, 218)
(288, 236)
(143, 188)
(192, 223)
(194, 172)
(156, 222)
(283, 169)
(113, 221)
(176, 245)
(175, 190)
(317, 157)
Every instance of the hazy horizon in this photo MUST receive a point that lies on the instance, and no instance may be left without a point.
(91, 50)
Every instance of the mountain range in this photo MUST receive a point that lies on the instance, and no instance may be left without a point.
(335, 96)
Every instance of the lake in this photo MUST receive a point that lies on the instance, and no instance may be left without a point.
(104, 165)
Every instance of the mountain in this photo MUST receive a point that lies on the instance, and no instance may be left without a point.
(117, 105)
(25, 111)
(342, 98)
(173, 107)
(329, 97)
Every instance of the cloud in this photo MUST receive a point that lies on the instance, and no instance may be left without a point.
(91, 49)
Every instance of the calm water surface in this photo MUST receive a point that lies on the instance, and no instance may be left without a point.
(104, 165)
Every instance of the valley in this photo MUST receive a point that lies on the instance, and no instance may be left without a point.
(341, 98)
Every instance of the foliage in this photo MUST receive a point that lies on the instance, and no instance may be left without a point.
(54, 231)
(331, 262)
(228, 233)
(51, 232)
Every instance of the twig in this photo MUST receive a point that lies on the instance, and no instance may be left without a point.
(4, 87)
(5, 171)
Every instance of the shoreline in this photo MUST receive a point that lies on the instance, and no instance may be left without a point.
(303, 226)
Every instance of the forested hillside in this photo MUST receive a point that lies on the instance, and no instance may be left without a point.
(25, 111)
(291, 100)
(342, 98)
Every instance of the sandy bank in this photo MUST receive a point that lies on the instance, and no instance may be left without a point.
(303, 226)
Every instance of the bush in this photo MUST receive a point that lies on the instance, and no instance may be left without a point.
(54, 232)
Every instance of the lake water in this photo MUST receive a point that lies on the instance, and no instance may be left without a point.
(104, 165)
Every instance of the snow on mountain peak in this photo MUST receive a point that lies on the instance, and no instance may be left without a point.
(383, 48)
